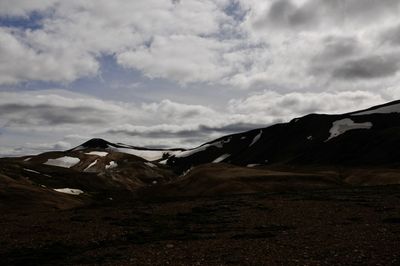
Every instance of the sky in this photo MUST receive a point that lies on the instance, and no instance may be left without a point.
(178, 73)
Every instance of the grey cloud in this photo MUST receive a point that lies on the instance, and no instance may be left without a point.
(21, 114)
(369, 67)
(277, 106)
(336, 51)
(336, 47)
(231, 128)
(34, 148)
(198, 132)
(157, 133)
(23, 8)
(391, 35)
(363, 10)
(286, 14)
(314, 13)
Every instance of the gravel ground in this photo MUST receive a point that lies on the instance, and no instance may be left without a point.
(348, 226)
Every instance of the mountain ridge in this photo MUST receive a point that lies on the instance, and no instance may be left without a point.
(313, 151)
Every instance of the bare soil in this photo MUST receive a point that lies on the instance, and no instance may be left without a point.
(341, 226)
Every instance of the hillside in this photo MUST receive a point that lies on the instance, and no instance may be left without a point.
(314, 151)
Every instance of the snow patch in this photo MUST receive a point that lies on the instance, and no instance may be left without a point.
(186, 172)
(66, 162)
(149, 155)
(256, 138)
(32, 171)
(90, 166)
(309, 137)
(27, 159)
(253, 165)
(341, 126)
(150, 164)
(98, 153)
(71, 191)
(217, 144)
(395, 108)
(163, 161)
(124, 145)
(221, 158)
(111, 165)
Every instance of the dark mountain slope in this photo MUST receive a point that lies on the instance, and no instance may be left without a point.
(369, 137)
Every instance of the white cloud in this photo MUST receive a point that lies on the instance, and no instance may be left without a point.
(273, 106)
(67, 45)
(182, 58)
(20, 61)
(244, 44)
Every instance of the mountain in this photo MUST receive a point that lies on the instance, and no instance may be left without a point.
(94, 170)
(314, 151)
(369, 137)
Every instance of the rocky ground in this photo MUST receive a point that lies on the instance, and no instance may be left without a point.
(341, 226)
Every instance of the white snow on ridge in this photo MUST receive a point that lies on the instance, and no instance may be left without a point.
(111, 165)
(341, 126)
(163, 161)
(70, 191)
(150, 164)
(90, 166)
(66, 162)
(193, 151)
(218, 144)
(256, 138)
(32, 171)
(395, 108)
(98, 153)
(221, 158)
(149, 155)
(253, 165)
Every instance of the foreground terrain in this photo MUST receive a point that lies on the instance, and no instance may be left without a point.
(341, 226)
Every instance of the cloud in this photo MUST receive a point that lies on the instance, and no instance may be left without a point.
(34, 148)
(391, 35)
(169, 110)
(314, 14)
(338, 47)
(370, 67)
(194, 133)
(273, 107)
(147, 36)
(23, 8)
(344, 58)
(19, 61)
(240, 44)
(181, 58)
(50, 109)
(284, 14)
